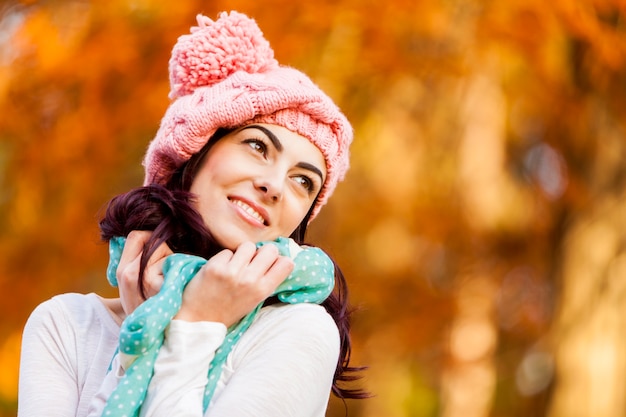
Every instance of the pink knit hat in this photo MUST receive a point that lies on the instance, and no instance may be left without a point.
(223, 74)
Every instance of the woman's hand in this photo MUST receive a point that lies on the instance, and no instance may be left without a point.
(128, 270)
(230, 285)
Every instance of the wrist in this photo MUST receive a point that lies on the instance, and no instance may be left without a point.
(192, 316)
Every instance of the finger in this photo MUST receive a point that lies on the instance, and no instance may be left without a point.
(133, 247)
(153, 278)
(242, 256)
(263, 259)
(160, 253)
(153, 274)
(222, 257)
(276, 274)
(128, 269)
(127, 284)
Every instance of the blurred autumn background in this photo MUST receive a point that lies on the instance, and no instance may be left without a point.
(482, 226)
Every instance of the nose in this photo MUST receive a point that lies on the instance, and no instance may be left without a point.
(271, 186)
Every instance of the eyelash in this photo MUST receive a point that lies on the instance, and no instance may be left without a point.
(259, 146)
(307, 183)
(262, 146)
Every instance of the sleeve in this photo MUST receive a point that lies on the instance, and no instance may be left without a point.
(109, 383)
(181, 369)
(284, 367)
(48, 376)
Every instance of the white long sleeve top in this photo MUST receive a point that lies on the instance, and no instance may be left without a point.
(282, 366)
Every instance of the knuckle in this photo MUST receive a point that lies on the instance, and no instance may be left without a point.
(231, 272)
(221, 257)
(247, 247)
(138, 234)
(153, 283)
(127, 275)
(259, 292)
(247, 244)
(215, 270)
(269, 249)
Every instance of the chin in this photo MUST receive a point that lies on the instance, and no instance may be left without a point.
(232, 238)
(232, 241)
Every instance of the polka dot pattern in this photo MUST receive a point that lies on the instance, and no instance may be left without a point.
(141, 334)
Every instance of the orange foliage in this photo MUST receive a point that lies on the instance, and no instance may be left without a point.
(484, 130)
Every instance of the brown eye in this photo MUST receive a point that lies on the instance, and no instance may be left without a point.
(305, 182)
(257, 145)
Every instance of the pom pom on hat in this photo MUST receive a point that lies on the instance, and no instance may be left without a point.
(224, 75)
(215, 50)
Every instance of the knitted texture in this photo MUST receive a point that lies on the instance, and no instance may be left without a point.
(142, 332)
(223, 75)
(215, 50)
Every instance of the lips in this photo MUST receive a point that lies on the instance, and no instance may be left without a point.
(255, 212)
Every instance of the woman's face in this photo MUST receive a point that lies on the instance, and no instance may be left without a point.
(257, 183)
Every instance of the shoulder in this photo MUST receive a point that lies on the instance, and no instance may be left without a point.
(69, 304)
(71, 312)
(67, 345)
(294, 327)
(283, 364)
(301, 318)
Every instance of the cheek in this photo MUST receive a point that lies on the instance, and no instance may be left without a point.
(208, 177)
(203, 188)
(294, 213)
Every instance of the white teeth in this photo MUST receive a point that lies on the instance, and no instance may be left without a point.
(252, 212)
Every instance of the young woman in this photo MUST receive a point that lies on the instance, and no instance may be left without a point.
(246, 155)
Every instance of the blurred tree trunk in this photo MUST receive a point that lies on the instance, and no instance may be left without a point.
(590, 322)
(588, 333)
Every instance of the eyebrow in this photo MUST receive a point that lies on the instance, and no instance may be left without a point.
(279, 147)
(275, 141)
(312, 168)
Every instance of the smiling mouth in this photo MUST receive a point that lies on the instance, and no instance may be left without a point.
(249, 210)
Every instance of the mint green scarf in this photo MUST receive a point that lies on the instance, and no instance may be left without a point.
(141, 334)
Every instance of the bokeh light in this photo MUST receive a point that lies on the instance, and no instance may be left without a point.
(481, 226)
